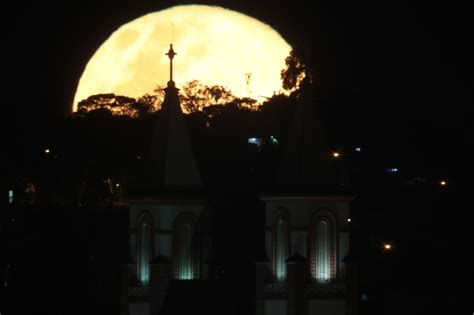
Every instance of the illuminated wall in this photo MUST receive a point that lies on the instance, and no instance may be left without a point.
(280, 244)
(323, 246)
(322, 260)
(144, 248)
(185, 252)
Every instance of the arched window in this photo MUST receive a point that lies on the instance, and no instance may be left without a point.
(185, 257)
(322, 265)
(144, 247)
(280, 244)
(184, 251)
(323, 247)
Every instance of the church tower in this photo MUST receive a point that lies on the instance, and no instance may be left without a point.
(164, 220)
(306, 226)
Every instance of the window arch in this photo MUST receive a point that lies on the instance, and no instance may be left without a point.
(144, 247)
(280, 244)
(185, 256)
(323, 247)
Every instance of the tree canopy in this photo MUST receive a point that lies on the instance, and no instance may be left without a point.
(194, 96)
(294, 73)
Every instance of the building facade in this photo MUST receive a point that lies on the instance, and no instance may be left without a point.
(303, 269)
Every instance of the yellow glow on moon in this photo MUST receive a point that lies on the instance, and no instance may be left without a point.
(214, 45)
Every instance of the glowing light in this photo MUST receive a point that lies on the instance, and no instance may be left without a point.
(280, 238)
(349, 220)
(392, 170)
(139, 157)
(47, 151)
(336, 155)
(10, 196)
(214, 45)
(274, 140)
(323, 265)
(185, 255)
(358, 149)
(256, 141)
(117, 185)
(443, 183)
(387, 247)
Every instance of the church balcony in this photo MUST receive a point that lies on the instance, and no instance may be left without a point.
(315, 290)
(327, 290)
(137, 292)
(275, 289)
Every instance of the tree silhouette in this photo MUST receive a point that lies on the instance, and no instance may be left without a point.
(119, 105)
(195, 96)
(294, 73)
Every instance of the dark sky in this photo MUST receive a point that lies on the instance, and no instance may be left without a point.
(412, 60)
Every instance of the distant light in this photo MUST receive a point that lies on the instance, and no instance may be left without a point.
(47, 151)
(349, 220)
(392, 170)
(13, 220)
(117, 185)
(358, 149)
(364, 297)
(274, 140)
(257, 141)
(10, 196)
(336, 155)
(443, 183)
(139, 157)
(387, 247)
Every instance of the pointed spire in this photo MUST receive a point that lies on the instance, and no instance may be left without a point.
(306, 160)
(172, 160)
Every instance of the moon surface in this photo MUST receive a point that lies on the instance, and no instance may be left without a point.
(215, 46)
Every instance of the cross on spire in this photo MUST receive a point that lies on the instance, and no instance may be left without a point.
(171, 55)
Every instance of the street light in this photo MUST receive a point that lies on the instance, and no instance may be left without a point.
(387, 247)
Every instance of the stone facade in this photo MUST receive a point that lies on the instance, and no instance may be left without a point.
(302, 293)
(167, 215)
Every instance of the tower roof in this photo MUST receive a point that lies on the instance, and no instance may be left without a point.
(172, 163)
(306, 159)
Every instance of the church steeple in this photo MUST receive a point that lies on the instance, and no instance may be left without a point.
(306, 160)
(172, 163)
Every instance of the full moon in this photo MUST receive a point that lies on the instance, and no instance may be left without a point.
(215, 46)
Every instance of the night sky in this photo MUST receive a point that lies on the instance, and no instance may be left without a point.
(407, 65)
(399, 72)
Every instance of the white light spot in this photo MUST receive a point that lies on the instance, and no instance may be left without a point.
(10, 196)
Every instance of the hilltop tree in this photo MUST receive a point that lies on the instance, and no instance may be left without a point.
(295, 72)
(195, 96)
(119, 105)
